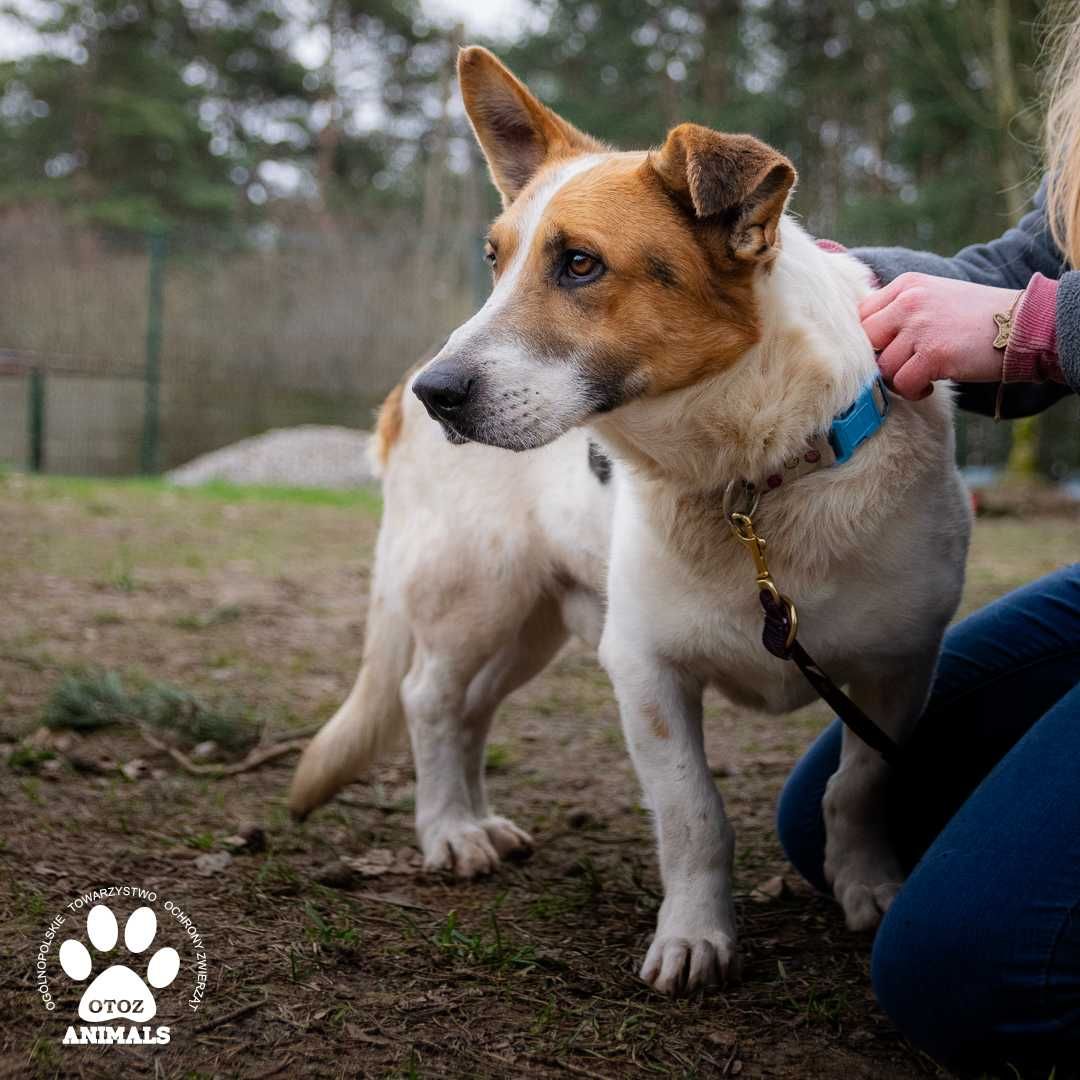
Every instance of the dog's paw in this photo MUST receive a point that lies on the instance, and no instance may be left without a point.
(864, 903)
(683, 965)
(865, 887)
(860, 865)
(474, 848)
(512, 843)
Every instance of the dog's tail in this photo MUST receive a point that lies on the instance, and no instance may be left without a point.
(369, 721)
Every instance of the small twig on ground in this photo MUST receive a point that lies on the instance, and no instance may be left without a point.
(579, 1070)
(730, 1060)
(367, 804)
(254, 759)
(375, 898)
(274, 1071)
(297, 733)
(229, 1017)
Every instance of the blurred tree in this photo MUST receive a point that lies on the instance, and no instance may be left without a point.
(142, 112)
(896, 112)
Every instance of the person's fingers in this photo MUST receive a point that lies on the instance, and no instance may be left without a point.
(880, 298)
(883, 326)
(913, 378)
(894, 355)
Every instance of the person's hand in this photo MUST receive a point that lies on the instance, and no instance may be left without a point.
(926, 328)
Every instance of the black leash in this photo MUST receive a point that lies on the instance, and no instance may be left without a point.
(781, 631)
(774, 637)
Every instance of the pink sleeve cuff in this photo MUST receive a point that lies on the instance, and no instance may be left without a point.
(836, 248)
(1031, 355)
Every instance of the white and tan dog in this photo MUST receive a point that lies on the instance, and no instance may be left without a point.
(666, 302)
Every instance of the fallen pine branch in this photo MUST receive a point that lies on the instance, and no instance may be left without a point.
(257, 757)
(299, 733)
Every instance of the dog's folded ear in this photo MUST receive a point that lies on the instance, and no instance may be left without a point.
(735, 179)
(517, 133)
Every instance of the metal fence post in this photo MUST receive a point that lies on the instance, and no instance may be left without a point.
(36, 427)
(151, 440)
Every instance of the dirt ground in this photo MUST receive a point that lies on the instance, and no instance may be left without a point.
(255, 603)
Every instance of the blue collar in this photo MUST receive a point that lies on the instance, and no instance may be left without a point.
(851, 428)
(847, 432)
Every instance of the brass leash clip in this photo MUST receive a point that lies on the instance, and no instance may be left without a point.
(742, 526)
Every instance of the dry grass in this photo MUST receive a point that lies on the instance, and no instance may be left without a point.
(258, 603)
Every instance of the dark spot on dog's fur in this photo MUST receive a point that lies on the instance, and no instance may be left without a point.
(556, 244)
(662, 271)
(599, 463)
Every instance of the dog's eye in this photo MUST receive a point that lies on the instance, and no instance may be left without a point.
(490, 256)
(580, 267)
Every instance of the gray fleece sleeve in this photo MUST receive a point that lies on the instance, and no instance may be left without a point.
(1067, 323)
(1009, 262)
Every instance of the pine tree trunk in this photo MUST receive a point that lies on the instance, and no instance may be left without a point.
(327, 140)
(435, 173)
(1022, 464)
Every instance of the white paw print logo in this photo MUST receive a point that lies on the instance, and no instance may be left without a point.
(118, 991)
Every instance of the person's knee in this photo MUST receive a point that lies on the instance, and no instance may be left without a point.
(913, 984)
(930, 976)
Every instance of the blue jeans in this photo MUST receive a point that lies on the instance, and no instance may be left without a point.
(978, 959)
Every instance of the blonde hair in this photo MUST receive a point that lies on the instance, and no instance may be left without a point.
(1063, 130)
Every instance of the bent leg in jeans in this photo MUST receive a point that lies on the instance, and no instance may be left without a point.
(979, 954)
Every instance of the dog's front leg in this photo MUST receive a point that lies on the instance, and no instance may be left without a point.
(860, 863)
(694, 946)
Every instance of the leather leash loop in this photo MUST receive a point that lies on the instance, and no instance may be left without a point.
(780, 631)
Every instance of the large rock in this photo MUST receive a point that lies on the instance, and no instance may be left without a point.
(312, 455)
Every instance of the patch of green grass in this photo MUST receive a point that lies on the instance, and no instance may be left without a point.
(611, 736)
(45, 1056)
(364, 498)
(92, 490)
(88, 702)
(490, 950)
(34, 905)
(101, 509)
(278, 875)
(498, 756)
(329, 936)
(122, 575)
(28, 758)
(822, 1007)
(587, 885)
(107, 618)
(202, 841)
(218, 616)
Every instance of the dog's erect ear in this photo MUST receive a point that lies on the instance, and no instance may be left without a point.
(736, 179)
(516, 131)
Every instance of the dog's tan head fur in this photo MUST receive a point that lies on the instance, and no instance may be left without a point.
(616, 275)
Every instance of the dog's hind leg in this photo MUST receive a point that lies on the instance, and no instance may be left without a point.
(860, 863)
(449, 703)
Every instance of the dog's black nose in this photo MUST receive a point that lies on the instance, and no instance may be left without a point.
(442, 392)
